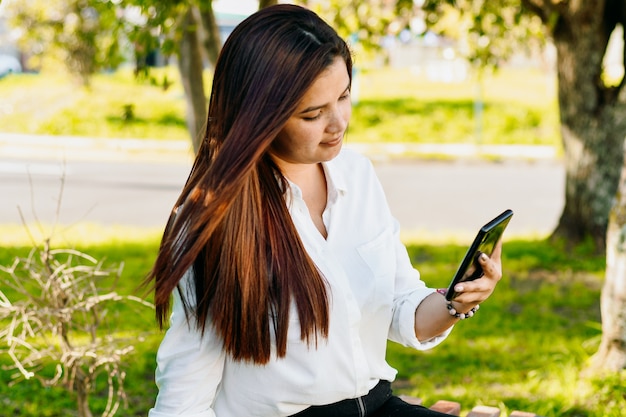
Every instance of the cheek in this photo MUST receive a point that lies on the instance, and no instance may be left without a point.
(306, 133)
(347, 111)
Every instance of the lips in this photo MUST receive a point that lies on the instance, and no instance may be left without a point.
(333, 142)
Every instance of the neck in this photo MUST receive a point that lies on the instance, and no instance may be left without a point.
(302, 174)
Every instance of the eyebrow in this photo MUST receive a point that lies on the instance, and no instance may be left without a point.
(313, 108)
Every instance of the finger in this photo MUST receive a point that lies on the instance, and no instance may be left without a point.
(492, 267)
(471, 298)
(475, 291)
(492, 270)
(481, 285)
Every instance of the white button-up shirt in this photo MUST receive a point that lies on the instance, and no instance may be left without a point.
(374, 291)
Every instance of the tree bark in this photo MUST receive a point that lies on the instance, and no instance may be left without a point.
(593, 129)
(611, 355)
(592, 125)
(265, 3)
(190, 67)
(82, 386)
(212, 39)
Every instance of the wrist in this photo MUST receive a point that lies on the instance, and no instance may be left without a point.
(461, 307)
(459, 310)
(452, 310)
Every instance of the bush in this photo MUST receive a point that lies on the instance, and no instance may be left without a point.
(55, 306)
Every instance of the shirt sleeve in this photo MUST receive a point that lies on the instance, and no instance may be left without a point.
(410, 291)
(189, 366)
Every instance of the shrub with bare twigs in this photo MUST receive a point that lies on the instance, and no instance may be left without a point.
(53, 314)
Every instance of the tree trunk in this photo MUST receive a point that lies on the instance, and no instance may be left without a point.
(592, 125)
(612, 353)
(593, 129)
(82, 387)
(212, 39)
(265, 3)
(190, 67)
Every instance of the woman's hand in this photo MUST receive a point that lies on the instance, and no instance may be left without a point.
(432, 317)
(475, 292)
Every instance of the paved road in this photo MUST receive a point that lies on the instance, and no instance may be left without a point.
(428, 197)
(449, 198)
(109, 193)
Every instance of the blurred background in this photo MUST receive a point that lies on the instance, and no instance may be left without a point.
(465, 108)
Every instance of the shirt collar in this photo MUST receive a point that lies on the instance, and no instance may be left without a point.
(335, 180)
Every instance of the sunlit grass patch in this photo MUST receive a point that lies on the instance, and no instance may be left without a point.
(394, 105)
(115, 105)
(79, 234)
(528, 346)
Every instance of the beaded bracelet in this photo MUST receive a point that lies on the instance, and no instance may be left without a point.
(452, 310)
(461, 316)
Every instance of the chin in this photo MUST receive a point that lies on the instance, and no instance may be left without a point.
(333, 152)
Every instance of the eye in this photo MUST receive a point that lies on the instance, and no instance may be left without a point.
(345, 96)
(312, 118)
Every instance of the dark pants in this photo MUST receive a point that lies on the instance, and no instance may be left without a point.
(379, 402)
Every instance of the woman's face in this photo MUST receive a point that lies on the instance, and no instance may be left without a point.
(314, 133)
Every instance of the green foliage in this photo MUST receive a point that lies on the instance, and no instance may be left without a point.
(85, 35)
(490, 31)
(158, 26)
(365, 23)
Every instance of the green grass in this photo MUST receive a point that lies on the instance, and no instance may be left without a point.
(394, 105)
(527, 348)
(54, 104)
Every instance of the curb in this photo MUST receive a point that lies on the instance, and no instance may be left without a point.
(83, 148)
(455, 151)
(17, 146)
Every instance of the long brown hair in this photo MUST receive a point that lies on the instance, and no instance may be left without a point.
(230, 223)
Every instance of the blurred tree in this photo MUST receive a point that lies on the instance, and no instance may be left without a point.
(82, 34)
(90, 35)
(189, 31)
(212, 40)
(593, 127)
(265, 3)
(191, 67)
(612, 352)
(592, 108)
(365, 23)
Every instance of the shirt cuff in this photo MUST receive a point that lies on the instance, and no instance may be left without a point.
(406, 322)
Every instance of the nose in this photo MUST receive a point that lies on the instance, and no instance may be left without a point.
(338, 120)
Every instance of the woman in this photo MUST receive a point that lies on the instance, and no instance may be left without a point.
(285, 263)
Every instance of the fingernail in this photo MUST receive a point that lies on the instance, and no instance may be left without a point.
(458, 288)
(484, 256)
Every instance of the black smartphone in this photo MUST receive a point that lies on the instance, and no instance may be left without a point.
(485, 241)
